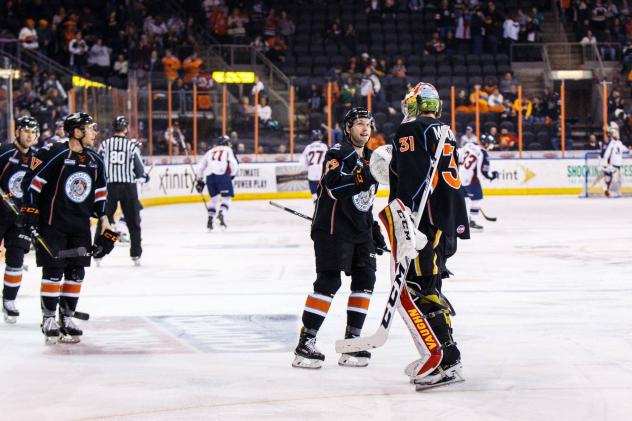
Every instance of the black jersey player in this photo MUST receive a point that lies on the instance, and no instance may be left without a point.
(444, 219)
(65, 186)
(345, 238)
(14, 161)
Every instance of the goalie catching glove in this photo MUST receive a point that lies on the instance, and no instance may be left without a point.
(406, 240)
(104, 244)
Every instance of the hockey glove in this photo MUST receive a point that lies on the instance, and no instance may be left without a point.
(494, 175)
(145, 178)
(362, 174)
(104, 244)
(199, 186)
(28, 218)
(378, 239)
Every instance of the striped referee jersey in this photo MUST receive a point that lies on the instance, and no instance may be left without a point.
(122, 159)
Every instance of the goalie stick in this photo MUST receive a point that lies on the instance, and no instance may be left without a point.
(309, 218)
(398, 276)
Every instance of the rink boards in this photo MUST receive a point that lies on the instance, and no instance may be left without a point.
(271, 180)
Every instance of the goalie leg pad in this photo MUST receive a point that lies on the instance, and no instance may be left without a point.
(400, 229)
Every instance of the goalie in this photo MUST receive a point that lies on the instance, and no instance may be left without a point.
(612, 162)
(426, 312)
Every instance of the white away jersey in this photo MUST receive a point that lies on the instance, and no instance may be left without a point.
(614, 153)
(312, 159)
(220, 160)
(473, 163)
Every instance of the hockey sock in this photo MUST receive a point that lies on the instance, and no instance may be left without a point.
(50, 289)
(71, 288)
(12, 273)
(474, 210)
(225, 204)
(357, 309)
(316, 308)
(212, 209)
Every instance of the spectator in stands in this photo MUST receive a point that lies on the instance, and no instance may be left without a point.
(607, 48)
(175, 25)
(237, 25)
(469, 136)
(191, 66)
(259, 45)
(588, 39)
(352, 67)
(171, 65)
(270, 24)
(99, 60)
(593, 144)
(615, 104)
(539, 111)
(435, 45)
(507, 83)
(176, 137)
(370, 84)
(444, 18)
(626, 53)
(244, 112)
(28, 36)
(526, 105)
(493, 28)
(350, 38)
(348, 92)
(154, 64)
(463, 33)
(121, 67)
(286, 26)
(477, 30)
(155, 27)
(265, 115)
(462, 102)
(493, 132)
(495, 99)
(219, 24)
(45, 37)
(556, 140)
(511, 29)
(276, 49)
(315, 100)
(399, 69)
(506, 140)
(598, 19)
(490, 86)
(258, 88)
(364, 63)
(78, 50)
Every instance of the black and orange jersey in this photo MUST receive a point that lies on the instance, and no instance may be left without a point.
(67, 187)
(344, 208)
(13, 167)
(414, 148)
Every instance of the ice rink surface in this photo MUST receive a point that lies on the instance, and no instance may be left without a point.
(205, 328)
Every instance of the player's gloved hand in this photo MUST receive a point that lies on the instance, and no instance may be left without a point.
(362, 174)
(27, 218)
(378, 239)
(22, 240)
(495, 175)
(199, 186)
(104, 244)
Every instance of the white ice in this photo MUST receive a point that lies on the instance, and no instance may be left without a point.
(205, 328)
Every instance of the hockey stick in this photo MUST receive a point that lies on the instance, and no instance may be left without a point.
(309, 218)
(398, 276)
(489, 218)
(36, 238)
(186, 152)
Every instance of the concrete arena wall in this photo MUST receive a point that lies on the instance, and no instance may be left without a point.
(171, 184)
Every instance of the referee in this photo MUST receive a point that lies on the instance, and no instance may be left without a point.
(123, 166)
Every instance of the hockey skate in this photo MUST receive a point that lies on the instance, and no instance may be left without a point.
(70, 333)
(136, 260)
(97, 262)
(306, 355)
(443, 375)
(11, 313)
(209, 223)
(50, 329)
(475, 226)
(222, 223)
(355, 359)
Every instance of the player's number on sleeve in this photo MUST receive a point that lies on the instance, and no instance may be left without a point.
(117, 157)
(451, 177)
(407, 144)
(312, 155)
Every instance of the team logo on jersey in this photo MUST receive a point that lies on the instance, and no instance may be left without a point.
(460, 229)
(364, 200)
(15, 184)
(78, 187)
(35, 163)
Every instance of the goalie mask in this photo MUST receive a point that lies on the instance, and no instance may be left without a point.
(421, 99)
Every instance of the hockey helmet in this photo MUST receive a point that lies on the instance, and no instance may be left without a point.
(355, 114)
(488, 141)
(27, 122)
(316, 135)
(222, 140)
(77, 121)
(120, 123)
(423, 98)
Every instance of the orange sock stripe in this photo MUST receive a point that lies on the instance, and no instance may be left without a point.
(317, 304)
(12, 279)
(359, 302)
(53, 288)
(71, 288)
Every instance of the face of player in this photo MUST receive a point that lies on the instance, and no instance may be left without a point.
(89, 135)
(27, 137)
(360, 132)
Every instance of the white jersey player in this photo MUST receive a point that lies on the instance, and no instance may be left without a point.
(612, 163)
(217, 168)
(312, 159)
(474, 164)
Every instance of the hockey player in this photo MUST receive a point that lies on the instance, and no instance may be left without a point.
(444, 218)
(312, 160)
(612, 162)
(64, 186)
(14, 161)
(123, 166)
(345, 239)
(218, 166)
(474, 164)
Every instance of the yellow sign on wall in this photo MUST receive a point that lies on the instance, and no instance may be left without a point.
(234, 77)
(79, 82)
